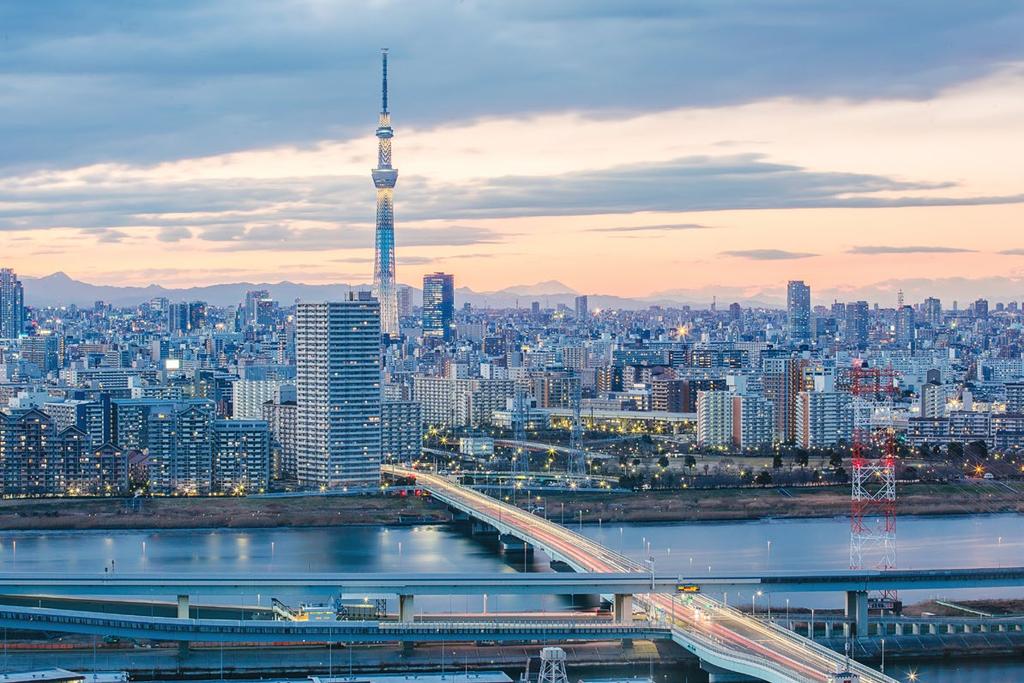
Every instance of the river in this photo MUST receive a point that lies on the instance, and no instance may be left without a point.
(692, 549)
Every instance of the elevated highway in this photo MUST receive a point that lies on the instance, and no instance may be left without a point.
(270, 631)
(722, 637)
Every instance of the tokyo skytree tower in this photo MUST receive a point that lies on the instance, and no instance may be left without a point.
(384, 178)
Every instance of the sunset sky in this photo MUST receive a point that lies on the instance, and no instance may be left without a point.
(630, 148)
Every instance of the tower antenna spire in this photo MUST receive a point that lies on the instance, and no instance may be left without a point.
(384, 80)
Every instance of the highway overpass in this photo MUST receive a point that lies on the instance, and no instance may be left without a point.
(723, 638)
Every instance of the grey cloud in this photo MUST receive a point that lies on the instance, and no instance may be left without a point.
(653, 228)
(1012, 252)
(339, 210)
(111, 236)
(768, 254)
(123, 80)
(880, 249)
(173, 234)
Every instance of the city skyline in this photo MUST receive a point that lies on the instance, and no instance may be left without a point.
(855, 184)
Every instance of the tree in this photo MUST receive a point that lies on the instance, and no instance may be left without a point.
(977, 450)
(663, 462)
(776, 462)
(763, 478)
(690, 461)
(801, 457)
(835, 460)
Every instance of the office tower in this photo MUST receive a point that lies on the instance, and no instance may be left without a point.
(281, 418)
(178, 318)
(582, 307)
(251, 305)
(404, 302)
(980, 308)
(12, 305)
(384, 178)
(823, 418)
(857, 323)
(798, 309)
(401, 430)
(535, 308)
(338, 386)
(932, 311)
(439, 306)
(241, 456)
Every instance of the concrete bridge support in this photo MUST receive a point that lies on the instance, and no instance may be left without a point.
(857, 611)
(482, 529)
(717, 675)
(915, 629)
(406, 605)
(183, 607)
(623, 608)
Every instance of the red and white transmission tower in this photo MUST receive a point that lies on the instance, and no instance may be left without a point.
(873, 500)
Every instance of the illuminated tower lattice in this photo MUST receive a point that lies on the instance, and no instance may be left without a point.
(873, 501)
(384, 178)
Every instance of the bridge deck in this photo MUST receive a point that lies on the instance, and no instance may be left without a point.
(720, 635)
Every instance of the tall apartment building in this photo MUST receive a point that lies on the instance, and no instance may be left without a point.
(241, 456)
(180, 449)
(714, 419)
(461, 402)
(753, 421)
(824, 418)
(783, 380)
(12, 305)
(281, 420)
(338, 386)
(249, 395)
(798, 309)
(401, 430)
(1015, 397)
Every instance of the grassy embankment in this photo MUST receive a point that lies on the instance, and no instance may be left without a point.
(652, 506)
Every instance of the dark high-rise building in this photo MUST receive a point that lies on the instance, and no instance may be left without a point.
(439, 306)
(798, 308)
(857, 323)
(12, 305)
(980, 308)
(582, 307)
(932, 311)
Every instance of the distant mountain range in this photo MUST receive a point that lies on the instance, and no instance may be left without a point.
(60, 289)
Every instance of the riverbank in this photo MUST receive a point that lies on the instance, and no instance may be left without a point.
(650, 506)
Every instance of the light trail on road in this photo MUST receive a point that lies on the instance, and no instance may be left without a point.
(704, 620)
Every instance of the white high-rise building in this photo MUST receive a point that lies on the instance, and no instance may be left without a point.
(338, 386)
(249, 395)
(714, 418)
(823, 418)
